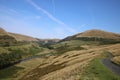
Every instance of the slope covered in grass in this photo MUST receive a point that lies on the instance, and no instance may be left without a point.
(100, 36)
(97, 71)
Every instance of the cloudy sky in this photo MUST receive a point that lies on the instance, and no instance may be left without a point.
(59, 18)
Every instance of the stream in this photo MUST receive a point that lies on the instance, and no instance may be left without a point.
(112, 66)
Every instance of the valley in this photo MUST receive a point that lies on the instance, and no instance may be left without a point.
(73, 58)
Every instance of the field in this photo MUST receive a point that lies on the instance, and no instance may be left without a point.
(67, 66)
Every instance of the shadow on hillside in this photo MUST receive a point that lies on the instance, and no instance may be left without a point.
(10, 72)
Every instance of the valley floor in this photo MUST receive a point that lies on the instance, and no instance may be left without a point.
(67, 66)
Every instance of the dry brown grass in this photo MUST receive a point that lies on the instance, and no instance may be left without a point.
(20, 37)
(116, 60)
(3, 32)
(115, 50)
(99, 34)
(27, 66)
(63, 67)
(67, 66)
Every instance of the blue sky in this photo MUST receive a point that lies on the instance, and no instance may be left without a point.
(59, 18)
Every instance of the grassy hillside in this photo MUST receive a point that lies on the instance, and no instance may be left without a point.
(65, 60)
(13, 54)
(97, 71)
(20, 37)
(15, 47)
(6, 40)
(99, 34)
(96, 36)
(3, 32)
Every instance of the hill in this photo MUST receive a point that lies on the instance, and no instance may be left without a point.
(5, 38)
(76, 57)
(95, 35)
(17, 37)
(48, 41)
(99, 34)
(3, 32)
(20, 37)
(8, 38)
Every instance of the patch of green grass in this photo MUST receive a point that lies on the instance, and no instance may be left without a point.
(9, 73)
(97, 71)
(66, 48)
(75, 43)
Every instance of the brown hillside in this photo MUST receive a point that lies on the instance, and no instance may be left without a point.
(5, 38)
(20, 37)
(17, 37)
(95, 34)
(3, 32)
(99, 34)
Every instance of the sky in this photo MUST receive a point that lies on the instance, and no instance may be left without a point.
(59, 18)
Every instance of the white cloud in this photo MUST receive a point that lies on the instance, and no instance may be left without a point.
(45, 12)
(53, 4)
(33, 17)
(52, 17)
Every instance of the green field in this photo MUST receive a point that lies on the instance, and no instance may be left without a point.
(97, 71)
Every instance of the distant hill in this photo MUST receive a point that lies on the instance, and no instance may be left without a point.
(99, 34)
(48, 41)
(95, 35)
(8, 38)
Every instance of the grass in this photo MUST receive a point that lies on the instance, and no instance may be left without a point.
(3, 50)
(97, 71)
(63, 49)
(75, 43)
(17, 71)
(116, 60)
(24, 50)
(9, 73)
